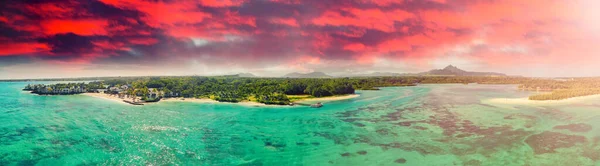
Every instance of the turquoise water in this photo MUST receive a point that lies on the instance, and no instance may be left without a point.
(423, 125)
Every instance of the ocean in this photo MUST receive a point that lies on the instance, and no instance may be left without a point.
(421, 125)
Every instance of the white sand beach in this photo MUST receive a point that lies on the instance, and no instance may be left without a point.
(526, 101)
(206, 100)
(326, 99)
(195, 100)
(108, 97)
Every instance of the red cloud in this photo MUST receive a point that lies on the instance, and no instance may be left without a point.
(285, 21)
(221, 3)
(159, 14)
(22, 48)
(365, 18)
(143, 41)
(80, 27)
(504, 32)
(52, 10)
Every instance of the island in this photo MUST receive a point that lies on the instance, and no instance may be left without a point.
(291, 91)
(235, 89)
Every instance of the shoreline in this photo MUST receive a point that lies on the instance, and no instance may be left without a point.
(107, 97)
(526, 101)
(328, 99)
(206, 100)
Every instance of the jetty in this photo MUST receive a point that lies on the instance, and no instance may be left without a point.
(132, 103)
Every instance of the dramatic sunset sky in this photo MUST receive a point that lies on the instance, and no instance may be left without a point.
(60, 38)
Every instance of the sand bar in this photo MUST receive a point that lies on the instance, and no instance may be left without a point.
(526, 101)
(331, 98)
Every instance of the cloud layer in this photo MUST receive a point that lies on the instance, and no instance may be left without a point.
(272, 37)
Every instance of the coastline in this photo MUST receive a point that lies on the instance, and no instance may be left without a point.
(206, 100)
(107, 97)
(526, 101)
(327, 99)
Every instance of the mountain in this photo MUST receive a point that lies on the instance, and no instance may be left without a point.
(455, 71)
(375, 74)
(386, 74)
(246, 75)
(307, 75)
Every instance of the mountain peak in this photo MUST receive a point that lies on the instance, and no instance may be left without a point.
(453, 70)
(450, 67)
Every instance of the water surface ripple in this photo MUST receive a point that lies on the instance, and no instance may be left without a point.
(423, 125)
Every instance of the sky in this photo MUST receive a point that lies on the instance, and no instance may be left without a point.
(61, 38)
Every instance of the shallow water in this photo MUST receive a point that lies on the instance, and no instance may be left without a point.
(423, 125)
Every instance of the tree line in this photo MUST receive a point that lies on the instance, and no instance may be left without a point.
(276, 90)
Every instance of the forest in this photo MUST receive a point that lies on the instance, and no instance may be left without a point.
(558, 89)
(276, 90)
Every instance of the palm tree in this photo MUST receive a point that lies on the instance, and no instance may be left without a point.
(166, 91)
(133, 94)
(155, 92)
(130, 92)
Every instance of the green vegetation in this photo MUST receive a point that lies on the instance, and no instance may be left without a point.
(565, 94)
(285, 90)
(563, 88)
(62, 88)
(236, 89)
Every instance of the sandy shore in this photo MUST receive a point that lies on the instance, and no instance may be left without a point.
(107, 97)
(526, 101)
(195, 100)
(326, 99)
(205, 100)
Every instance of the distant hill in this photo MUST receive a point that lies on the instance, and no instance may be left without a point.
(246, 75)
(454, 71)
(307, 75)
(385, 74)
(375, 74)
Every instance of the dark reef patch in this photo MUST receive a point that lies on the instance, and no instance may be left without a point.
(337, 138)
(360, 124)
(407, 124)
(253, 163)
(473, 163)
(400, 161)
(579, 127)
(383, 131)
(361, 139)
(276, 145)
(327, 125)
(548, 142)
(520, 115)
(556, 114)
(397, 115)
(108, 145)
(424, 149)
(591, 153)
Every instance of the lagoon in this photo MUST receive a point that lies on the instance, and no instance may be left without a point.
(419, 125)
